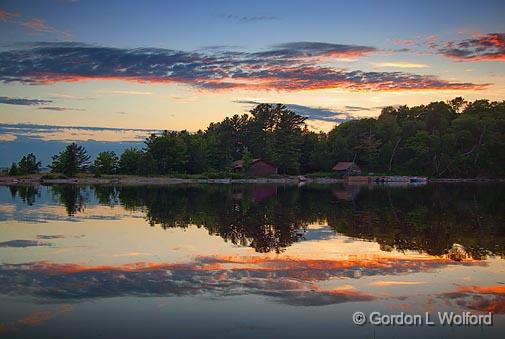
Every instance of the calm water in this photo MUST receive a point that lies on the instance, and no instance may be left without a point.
(224, 261)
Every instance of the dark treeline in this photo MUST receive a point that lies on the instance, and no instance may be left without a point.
(441, 139)
(270, 218)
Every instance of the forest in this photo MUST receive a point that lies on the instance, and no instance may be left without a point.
(441, 139)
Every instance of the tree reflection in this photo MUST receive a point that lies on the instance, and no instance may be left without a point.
(269, 218)
(73, 197)
(27, 193)
(428, 219)
(266, 218)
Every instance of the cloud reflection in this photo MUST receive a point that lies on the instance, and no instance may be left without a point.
(293, 281)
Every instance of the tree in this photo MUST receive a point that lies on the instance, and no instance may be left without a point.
(29, 164)
(13, 170)
(449, 139)
(287, 136)
(71, 160)
(457, 104)
(169, 151)
(106, 163)
(247, 157)
(136, 162)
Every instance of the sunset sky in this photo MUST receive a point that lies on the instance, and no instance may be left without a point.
(128, 65)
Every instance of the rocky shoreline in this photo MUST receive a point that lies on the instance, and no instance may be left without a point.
(135, 180)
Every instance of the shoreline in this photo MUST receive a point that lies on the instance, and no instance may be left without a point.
(136, 180)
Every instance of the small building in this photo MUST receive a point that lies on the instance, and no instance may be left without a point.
(347, 168)
(258, 167)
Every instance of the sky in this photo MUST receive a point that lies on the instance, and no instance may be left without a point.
(103, 68)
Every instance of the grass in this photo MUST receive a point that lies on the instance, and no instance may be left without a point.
(333, 175)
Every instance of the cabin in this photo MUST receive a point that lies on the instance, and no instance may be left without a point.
(347, 169)
(258, 168)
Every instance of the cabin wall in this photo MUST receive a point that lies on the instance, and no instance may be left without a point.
(261, 168)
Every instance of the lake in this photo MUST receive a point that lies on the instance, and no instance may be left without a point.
(249, 261)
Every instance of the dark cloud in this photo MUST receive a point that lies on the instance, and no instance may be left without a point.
(4, 128)
(22, 243)
(60, 109)
(306, 49)
(286, 67)
(312, 113)
(359, 108)
(46, 237)
(23, 101)
(320, 113)
(489, 47)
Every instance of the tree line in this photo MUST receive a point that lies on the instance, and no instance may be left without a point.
(441, 139)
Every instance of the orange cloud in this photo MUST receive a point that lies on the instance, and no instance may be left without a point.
(395, 283)
(405, 42)
(482, 47)
(291, 68)
(479, 298)
(399, 64)
(494, 289)
(5, 16)
(34, 319)
(292, 280)
(37, 25)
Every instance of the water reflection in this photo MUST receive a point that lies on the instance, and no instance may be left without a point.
(246, 260)
(294, 281)
(268, 218)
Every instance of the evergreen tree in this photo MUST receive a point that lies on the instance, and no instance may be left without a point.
(71, 160)
(13, 170)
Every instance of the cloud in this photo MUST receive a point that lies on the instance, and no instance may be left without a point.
(284, 67)
(399, 64)
(34, 319)
(36, 102)
(45, 237)
(69, 96)
(405, 42)
(478, 298)
(37, 25)
(5, 16)
(33, 24)
(316, 113)
(126, 92)
(395, 283)
(41, 26)
(248, 18)
(482, 47)
(74, 133)
(306, 49)
(22, 243)
(23, 101)
(47, 140)
(359, 108)
(292, 281)
(60, 109)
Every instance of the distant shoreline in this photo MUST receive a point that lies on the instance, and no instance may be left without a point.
(137, 180)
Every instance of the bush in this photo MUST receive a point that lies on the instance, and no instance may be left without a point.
(50, 176)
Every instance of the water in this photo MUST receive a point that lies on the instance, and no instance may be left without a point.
(257, 261)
